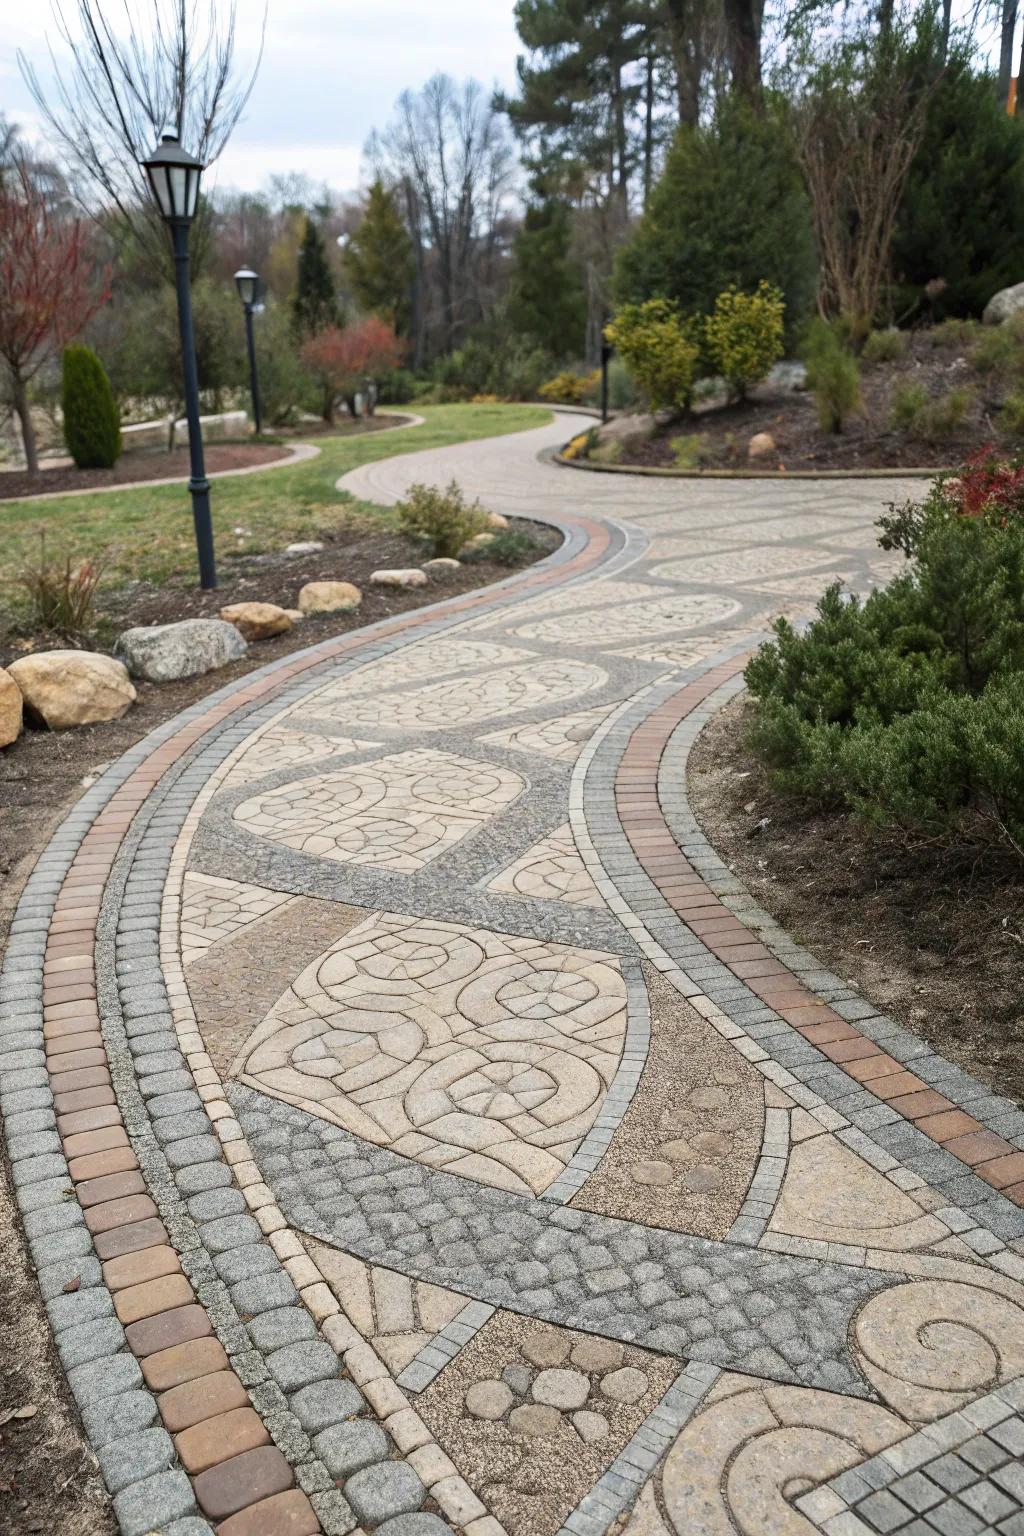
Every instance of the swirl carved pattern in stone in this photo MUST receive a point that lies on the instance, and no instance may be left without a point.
(551, 870)
(613, 626)
(477, 1052)
(743, 565)
(562, 738)
(284, 747)
(428, 659)
(396, 813)
(465, 700)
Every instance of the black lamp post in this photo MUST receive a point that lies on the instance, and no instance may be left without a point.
(174, 179)
(247, 283)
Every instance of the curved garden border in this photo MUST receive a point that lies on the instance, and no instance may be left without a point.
(654, 473)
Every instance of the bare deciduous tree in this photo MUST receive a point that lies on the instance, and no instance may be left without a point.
(450, 153)
(159, 66)
(859, 119)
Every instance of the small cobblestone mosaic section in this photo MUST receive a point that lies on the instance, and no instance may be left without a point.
(388, 1255)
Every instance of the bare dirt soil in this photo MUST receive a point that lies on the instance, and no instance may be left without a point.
(867, 441)
(49, 1481)
(934, 939)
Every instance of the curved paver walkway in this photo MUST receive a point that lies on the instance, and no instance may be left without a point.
(417, 1127)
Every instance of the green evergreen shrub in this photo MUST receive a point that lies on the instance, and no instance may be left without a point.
(442, 519)
(730, 208)
(92, 423)
(907, 708)
(959, 234)
(930, 418)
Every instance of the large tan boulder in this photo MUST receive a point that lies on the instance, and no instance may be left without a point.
(65, 688)
(761, 446)
(257, 621)
(329, 597)
(442, 566)
(10, 709)
(410, 578)
(628, 430)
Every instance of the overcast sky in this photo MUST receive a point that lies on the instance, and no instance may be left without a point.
(331, 71)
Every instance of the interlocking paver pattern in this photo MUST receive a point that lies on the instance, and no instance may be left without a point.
(251, 1281)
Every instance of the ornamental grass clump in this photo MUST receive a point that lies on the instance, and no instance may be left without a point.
(907, 707)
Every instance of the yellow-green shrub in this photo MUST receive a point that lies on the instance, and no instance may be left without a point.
(743, 337)
(442, 519)
(689, 452)
(659, 349)
(568, 388)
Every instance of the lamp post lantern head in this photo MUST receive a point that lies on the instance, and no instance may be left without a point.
(174, 179)
(247, 282)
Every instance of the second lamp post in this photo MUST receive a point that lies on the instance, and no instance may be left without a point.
(247, 283)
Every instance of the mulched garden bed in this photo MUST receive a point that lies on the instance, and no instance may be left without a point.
(867, 442)
(934, 939)
(49, 1481)
(158, 464)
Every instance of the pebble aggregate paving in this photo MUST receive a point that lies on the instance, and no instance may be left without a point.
(349, 1269)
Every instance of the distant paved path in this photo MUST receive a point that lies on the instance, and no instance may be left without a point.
(418, 1128)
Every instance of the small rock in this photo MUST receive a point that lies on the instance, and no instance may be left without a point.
(295, 614)
(713, 1144)
(761, 446)
(655, 1173)
(703, 1178)
(561, 1389)
(518, 1377)
(546, 1348)
(329, 597)
(1002, 305)
(597, 1354)
(679, 1151)
(496, 521)
(304, 547)
(625, 1386)
(479, 541)
(11, 709)
(488, 1400)
(257, 621)
(443, 565)
(162, 653)
(535, 1420)
(410, 578)
(60, 689)
(709, 1098)
(591, 1427)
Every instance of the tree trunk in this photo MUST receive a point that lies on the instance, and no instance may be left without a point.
(1006, 36)
(23, 411)
(648, 129)
(743, 40)
(686, 46)
(621, 151)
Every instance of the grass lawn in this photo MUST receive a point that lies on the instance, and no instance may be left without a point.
(147, 534)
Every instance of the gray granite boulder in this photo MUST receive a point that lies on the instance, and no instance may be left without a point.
(161, 653)
(1002, 305)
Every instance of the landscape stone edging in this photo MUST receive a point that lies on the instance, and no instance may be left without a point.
(999, 1114)
(654, 472)
(757, 1031)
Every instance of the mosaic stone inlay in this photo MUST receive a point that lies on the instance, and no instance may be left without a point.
(551, 870)
(283, 746)
(213, 909)
(742, 565)
(465, 700)
(428, 659)
(476, 1052)
(562, 738)
(605, 626)
(396, 813)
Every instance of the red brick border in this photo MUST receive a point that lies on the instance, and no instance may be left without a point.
(731, 941)
(240, 1479)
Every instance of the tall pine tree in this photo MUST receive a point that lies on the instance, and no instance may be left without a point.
(547, 303)
(314, 304)
(378, 259)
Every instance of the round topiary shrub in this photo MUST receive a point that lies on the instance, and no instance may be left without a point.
(92, 425)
